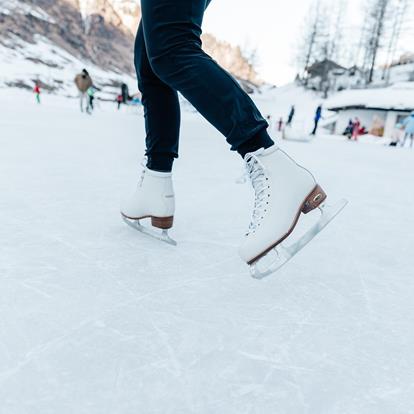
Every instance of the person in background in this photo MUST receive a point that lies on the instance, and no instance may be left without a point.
(356, 129)
(317, 118)
(125, 93)
(280, 124)
(119, 101)
(290, 116)
(36, 91)
(349, 129)
(91, 96)
(396, 136)
(136, 99)
(408, 125)
(269, 121)
(83, 82)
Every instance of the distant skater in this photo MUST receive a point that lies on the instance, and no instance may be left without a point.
(356, 129)
(119, 101)
(36, 91)
(408, 130)
(317, 118)
(83, 82)
(91, 96)
(280, 124)
(290, 116)
(125, 94)
(349, 129)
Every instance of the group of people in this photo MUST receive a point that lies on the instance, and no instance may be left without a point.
(124, 97)
(280, 123)
(87, 90)
(354, 129)
(404, 131)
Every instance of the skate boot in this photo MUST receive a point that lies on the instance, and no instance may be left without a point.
(154, 199)
(283, 190)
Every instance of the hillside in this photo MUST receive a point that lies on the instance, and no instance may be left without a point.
(51, 40)
(89, 38)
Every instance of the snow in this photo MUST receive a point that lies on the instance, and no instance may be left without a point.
(96, 318)
(399, 97)
(8, 7)
(127, 10)
(278, 101)
(86, 7)
(58, 68)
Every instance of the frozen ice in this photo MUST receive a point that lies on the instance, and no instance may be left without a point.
(99, 319)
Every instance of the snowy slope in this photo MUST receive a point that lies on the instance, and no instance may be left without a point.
(8, 7)
(55, 68)
(97, 319)
(51, 42)
(278, 101)
(129, 11)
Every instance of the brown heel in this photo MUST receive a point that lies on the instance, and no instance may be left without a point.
(314, 200)
(163, 223)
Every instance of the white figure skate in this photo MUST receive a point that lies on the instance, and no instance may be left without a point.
(154, 199)
(283, 190)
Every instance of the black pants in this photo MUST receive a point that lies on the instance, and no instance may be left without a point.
(315, 128)
(169, 58)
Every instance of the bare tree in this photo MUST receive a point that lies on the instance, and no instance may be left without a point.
(311, 37)
(323, 36)
(400, 14)
(337, 50)
(374, 33)
(252, 59)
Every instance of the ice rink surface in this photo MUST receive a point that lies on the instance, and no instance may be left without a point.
(98, 319)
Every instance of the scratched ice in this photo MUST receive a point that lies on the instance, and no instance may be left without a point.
(97, 319)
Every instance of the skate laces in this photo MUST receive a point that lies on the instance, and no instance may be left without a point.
(143, 165)
(256, 172)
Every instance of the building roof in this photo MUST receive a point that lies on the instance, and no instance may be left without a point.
(397, 98)
(404, 59)
(319, 68)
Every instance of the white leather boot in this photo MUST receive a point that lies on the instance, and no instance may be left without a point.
(283, 190)
(153, 198)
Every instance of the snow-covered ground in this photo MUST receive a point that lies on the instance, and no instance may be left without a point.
(278, 101)
(55, 67)
(98, 319)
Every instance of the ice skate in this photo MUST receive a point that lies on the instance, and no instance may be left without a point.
(283, 191)
(152, 199)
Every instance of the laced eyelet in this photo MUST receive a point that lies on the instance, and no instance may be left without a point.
(260, 183)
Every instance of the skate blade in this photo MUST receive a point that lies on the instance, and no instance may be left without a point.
(285, 253)
(163, 236)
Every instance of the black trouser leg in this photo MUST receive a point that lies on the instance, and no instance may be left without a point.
(315, 127)
(161, 110)
(171, 39)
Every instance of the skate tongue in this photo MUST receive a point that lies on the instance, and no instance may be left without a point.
(249, 155)
(158, 174)
(269, 150)
(262, 152)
